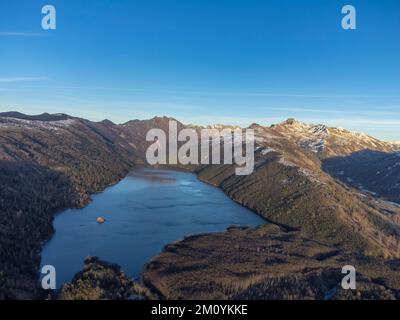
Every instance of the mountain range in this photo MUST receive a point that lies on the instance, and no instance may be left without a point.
(333, 192)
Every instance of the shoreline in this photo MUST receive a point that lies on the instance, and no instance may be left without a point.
(141, 279)
(139, 167)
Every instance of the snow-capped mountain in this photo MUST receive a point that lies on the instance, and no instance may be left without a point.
(325, 141)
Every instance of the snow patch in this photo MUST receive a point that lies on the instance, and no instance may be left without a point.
(316, 146)
(34, 124)
(267, 150)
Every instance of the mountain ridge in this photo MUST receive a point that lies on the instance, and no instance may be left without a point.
(293, 184)
(290, 122)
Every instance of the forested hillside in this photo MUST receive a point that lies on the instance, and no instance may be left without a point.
(46, 166)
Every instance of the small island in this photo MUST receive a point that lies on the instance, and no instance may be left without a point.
(100, 220)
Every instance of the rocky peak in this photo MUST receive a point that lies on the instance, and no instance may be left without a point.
(291, 122)
(256, 126)
(107, 122)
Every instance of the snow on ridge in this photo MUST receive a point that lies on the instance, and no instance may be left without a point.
(286, 162)
(305, 172)
(345, 133)
(267, 150)
(315, 145)
(395, 165)
(309, 135)
(319, 130)
(6, 122)
(222, 126)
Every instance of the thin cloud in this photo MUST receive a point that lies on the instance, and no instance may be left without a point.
(372, 122)
(221, 93)
(381, 111)
(20, 34)
(21, 79)
(229, 120)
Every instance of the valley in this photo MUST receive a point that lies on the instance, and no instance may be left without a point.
(145, 211)
(319, 220)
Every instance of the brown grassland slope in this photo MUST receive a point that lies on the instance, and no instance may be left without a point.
(52, 162)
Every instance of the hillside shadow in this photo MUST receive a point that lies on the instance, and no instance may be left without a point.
(373, 172)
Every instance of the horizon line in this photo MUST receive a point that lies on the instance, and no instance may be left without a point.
(192, 124)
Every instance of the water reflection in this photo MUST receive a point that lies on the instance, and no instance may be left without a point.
(144, 212)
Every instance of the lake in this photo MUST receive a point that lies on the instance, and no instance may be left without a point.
(145, 211)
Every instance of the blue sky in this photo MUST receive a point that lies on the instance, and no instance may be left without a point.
(205, 61)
